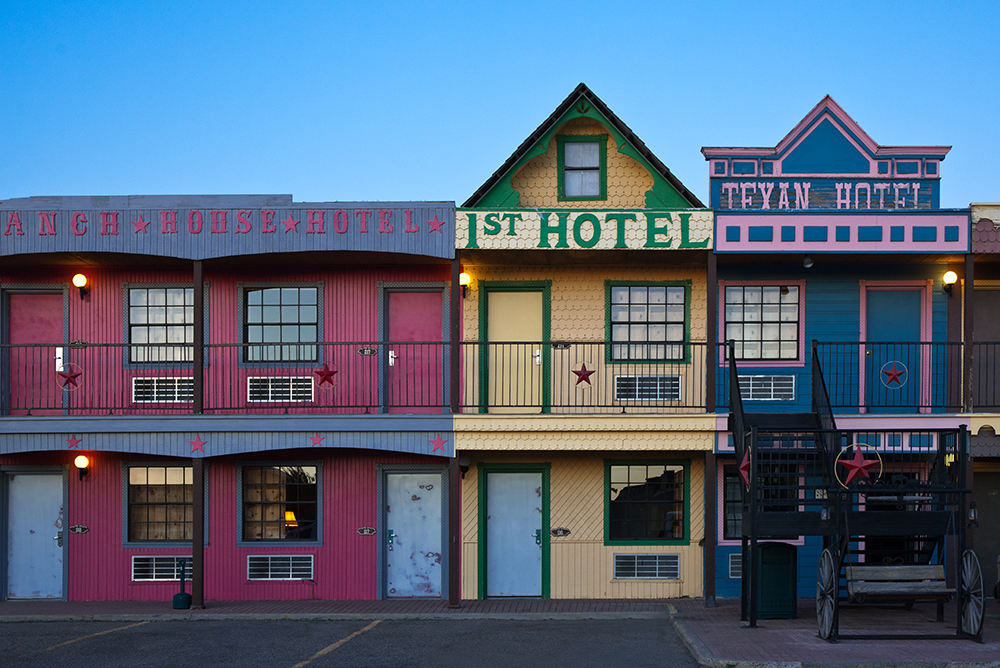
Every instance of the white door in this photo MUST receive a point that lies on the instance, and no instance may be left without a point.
(413, 532)
(35, 536)
(514, 534)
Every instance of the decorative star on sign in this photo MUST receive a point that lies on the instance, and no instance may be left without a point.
(857, 467)
(583, 375)
(435, 224)
(745, 468)
(438, 443)
(317, 440)
(893, 374)
(325, 374)
(290, 225)
(197, 443)
(74, 441)
(141, 225)
(69, 377)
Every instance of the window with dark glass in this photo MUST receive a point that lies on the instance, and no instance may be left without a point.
(732, 503)
(763, 320)
(161, 324)
(280, 503)
(160, 503)
(282, 324)
(646, 502)
(647, 322)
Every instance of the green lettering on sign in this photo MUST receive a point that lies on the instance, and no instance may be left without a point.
(686, 231)
(559, 228)
(652, 229)
(491, 225)
(512, 217)
(621, 219)
(577, 230)
(472, 232)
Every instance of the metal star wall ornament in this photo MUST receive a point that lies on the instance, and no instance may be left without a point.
(69, 377)
(894, 374)
(858, 467)
(326, 374)
(745, 468)
(584, 374)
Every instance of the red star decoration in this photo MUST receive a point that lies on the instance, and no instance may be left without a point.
(325, 374)
(197, 443)
(745, 468)
(141, 225)
(69, 377)
(435, 224)
(894, 374)
(438, 443)
(290, 225)
(74, 441)
(858, 466)
(583, 375)
(317, 440)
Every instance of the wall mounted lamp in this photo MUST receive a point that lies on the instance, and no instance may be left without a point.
(948, 280)
(973, 515)
(463, 464)
(807, 262)
(80, 281)
(82, 462)
(464, 280)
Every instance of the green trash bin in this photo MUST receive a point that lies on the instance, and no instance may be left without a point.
(776, 576)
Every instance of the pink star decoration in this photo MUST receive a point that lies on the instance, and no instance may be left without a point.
(290, 225)
(74, 441)
(141, 225)
(438, 443)
(197, 443)
(583, 375)
(325, 374)
(893, 374)
(435, 225)
(69, 377)
(317, 440)
(857, 467)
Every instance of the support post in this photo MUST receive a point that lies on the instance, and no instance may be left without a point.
(198, 533)
(711, 476)
(455, 337)
(711, 350)
(752, 575)
(968, 335)
(454, 533)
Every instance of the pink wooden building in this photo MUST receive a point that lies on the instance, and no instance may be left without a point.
(260, 387)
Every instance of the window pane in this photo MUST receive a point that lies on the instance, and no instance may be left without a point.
(619, 295)
(582, 154)
(734, 295)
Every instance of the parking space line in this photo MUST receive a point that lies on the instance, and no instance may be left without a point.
(330, 648)
(92, 635)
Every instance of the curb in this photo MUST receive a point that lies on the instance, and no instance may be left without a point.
(327, 617)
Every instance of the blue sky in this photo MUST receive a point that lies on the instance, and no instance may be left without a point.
(343, 101)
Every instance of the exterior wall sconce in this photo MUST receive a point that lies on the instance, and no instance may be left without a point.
(80, 281)
(949, 279)
(463, 464)
(973, 515)
(83, 464)
(807, 262)
(464, 280)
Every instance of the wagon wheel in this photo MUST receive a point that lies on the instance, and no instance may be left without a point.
(826, 592)
(972, 601)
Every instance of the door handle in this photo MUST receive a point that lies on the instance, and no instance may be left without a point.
(58, 538)
(392, 358)
(538, 536)
(538, 357)
(392, 536)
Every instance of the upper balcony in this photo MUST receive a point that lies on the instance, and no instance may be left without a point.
(378, 377)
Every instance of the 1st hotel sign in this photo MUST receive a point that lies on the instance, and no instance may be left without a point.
(583, 229)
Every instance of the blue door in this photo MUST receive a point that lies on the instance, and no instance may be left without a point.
(893, 354)
(35, 535)
(413, 521)
(514, 539)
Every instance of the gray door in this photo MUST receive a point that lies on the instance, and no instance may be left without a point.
(35, 536)
(514, 534)
(986, 494)
(413, 529)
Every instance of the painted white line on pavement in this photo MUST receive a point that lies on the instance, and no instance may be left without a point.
(92, 635)
(330, 648)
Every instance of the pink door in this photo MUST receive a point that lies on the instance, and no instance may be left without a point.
(416, 354)
(35, 331)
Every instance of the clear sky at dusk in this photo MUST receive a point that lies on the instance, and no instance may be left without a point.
(346, 101)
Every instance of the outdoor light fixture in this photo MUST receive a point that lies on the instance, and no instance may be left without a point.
(949, 279)
(83, 464)
(973, 515)
(807, 262)
(80, 281)
(463, 464)
(464, 280)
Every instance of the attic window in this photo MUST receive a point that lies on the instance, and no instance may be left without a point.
(582, 167)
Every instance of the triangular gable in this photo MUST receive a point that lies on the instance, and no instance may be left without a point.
(825, 150)
(667, 190)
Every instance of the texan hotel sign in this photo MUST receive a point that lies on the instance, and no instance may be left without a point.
(201, 227)
(637, 229)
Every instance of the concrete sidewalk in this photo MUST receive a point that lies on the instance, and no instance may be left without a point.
(715, 636)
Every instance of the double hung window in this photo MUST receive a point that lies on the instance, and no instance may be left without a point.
(582, 171)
